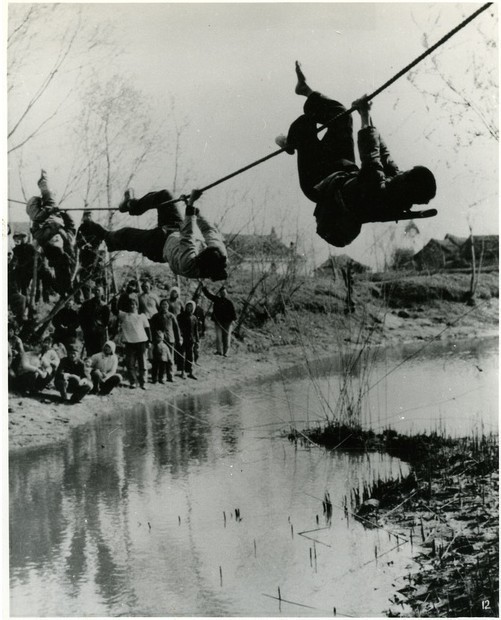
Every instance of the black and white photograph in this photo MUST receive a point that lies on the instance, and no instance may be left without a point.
(252, 302)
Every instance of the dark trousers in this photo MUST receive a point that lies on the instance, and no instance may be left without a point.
(23, 279)
(41, 383)
(74, 385)
(17, 304)
(149, 243)
(317, 157)
(188, 356)
(135, 353)
(45, 283)
(105, 387)
(94, 340)
(160, 369)
(168, 215)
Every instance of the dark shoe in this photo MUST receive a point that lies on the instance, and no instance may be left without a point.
(161, 381)
(132, 386)
(123, 207)
(143, 387)
(170, 379)
(192, 376)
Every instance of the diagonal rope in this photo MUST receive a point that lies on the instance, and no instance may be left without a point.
(398, 75)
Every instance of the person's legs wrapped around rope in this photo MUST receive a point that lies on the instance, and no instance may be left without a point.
(168, 215)
(149, 243)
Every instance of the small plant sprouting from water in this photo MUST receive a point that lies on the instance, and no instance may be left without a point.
(327, 507)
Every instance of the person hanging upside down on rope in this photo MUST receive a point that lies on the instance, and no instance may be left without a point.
(346, 195)
(174, 240)
(54, 231)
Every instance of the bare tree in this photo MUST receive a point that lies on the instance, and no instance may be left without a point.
(48, 47)
(114, 139)
(469, 106)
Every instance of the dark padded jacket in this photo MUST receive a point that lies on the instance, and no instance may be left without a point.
(350, 195)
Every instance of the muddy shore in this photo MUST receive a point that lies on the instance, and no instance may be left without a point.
(41, 420)
(448, 510)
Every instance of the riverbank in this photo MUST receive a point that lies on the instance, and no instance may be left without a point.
(447, 509)
(293, 338)
(453, 512)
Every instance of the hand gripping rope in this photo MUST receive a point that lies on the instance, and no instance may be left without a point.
(398, 75)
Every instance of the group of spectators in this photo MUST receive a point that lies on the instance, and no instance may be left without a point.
(91, 341)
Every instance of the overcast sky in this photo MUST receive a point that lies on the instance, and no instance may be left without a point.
(230, 70)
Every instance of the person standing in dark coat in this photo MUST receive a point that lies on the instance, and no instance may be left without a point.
(188, 326)
(223, 315)
(66, 322)
(88, 251)
(200, 316)
(94, 317)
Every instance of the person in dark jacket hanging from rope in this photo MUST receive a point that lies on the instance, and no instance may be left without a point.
(346, 195)
(54, 231)
(174, 240)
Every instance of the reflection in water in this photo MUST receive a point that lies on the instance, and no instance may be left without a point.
(136, 515)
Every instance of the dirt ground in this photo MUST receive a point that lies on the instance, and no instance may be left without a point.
(40, 420)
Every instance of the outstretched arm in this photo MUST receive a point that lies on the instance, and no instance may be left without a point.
(208, 294)
(363, 106)
(389, 167)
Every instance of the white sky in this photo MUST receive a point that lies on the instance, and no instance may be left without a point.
(230, 69)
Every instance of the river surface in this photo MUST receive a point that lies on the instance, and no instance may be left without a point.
(200, 507)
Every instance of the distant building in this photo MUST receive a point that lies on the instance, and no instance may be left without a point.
(263, 253)
(335, 264)
(455, 252)
(439, 254)
(486, 250)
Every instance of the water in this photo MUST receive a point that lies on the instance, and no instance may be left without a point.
(136, 515)
(448, 387)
